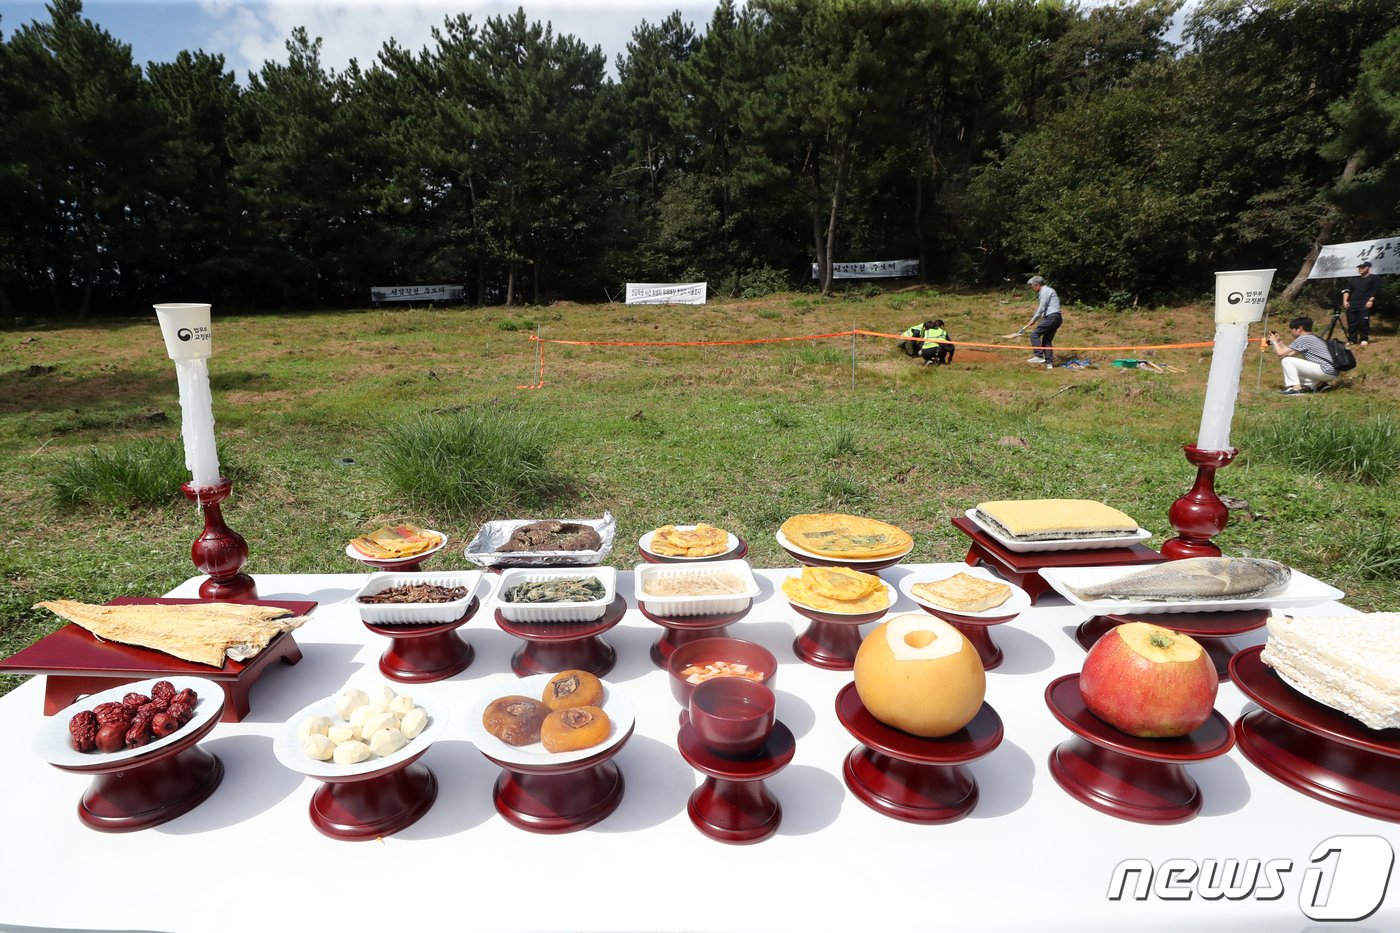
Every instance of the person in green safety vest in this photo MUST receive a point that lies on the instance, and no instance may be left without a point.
(914, 338)
(934, 352)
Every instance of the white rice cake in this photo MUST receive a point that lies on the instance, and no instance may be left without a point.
(1350, 663)
(1055, 519)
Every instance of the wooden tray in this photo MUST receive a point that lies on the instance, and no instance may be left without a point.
(1020, 568)
(76, 663)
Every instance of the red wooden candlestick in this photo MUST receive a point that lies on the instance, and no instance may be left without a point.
(220, 551)
(1199, 515)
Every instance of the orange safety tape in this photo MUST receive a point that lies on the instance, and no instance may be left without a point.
(539, 381)
(688, 343)
(1057, 347)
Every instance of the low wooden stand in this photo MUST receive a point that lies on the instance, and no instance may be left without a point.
(76, 664)
(1021, 568)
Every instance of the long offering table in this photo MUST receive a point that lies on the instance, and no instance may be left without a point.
(1029, 856)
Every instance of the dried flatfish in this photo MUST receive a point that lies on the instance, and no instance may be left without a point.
(1195, 578)
(204, 633)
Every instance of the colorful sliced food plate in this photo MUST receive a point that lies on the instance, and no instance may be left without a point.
(354, 553)
(397, 542)
(52, 741)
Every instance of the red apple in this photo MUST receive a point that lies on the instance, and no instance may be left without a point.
(1149, 681)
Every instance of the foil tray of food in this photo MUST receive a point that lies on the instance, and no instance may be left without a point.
(561, 542)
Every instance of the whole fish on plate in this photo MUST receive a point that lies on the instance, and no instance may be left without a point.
(1195, 578)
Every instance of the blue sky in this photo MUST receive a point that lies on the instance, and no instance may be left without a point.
(249, 32)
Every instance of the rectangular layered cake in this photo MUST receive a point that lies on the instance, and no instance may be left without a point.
(1055, 519)
(1350, 663)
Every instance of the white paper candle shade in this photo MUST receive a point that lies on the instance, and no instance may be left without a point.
(1240, 298)
(185, 327)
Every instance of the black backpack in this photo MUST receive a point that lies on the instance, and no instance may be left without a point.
(1343, 359)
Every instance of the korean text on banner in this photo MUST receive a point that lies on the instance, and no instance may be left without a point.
(656, 293)
(888, 269)
(1339, 260)
(418, 293)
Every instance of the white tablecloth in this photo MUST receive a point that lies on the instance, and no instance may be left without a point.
(1028, 857)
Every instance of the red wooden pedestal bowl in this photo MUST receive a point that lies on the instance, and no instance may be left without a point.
(909, 777)
(681, 630)
(140, 788)
(732, 804)
(370, 799)
(543, 792)
(1132, 778)
(1314, 749)
(419, 654)
(551, 647)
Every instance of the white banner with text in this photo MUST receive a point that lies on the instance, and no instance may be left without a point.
(1339, 260)
(657, 293)
(417, 293)
(889, 269)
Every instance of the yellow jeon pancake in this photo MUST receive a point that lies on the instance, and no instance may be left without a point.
(701, 541)
(850, 536)
(837, 589)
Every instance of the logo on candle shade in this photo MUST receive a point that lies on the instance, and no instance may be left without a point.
(185, 334)
(1235, 298)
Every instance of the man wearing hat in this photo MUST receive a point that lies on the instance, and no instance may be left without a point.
(1358, 300)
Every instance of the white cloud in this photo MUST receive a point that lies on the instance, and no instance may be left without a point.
(252, 33)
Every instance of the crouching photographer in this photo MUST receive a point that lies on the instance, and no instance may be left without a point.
(1307, 366)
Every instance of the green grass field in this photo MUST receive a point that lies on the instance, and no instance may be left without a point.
(321, 417)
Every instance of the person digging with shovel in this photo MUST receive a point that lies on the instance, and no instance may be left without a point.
(1047, 312)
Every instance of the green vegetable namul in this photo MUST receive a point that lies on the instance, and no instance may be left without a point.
(557, 590)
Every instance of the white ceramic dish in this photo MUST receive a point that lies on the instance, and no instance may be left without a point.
(668, 606)
(555, 612)
(1302, 590)
(616, 703)
(484, 548)
(353, 554)
(786, 543)
(1067, 544)
(889, 594)
(287, 746)
(51, 741)
(418, 613)
(731, 544)
(1018, 602)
